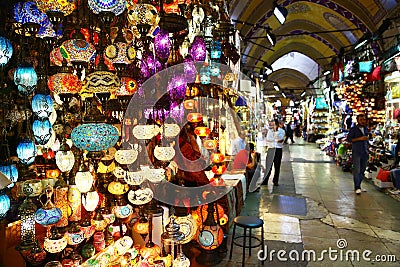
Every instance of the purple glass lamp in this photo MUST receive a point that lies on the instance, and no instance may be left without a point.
(198, 49)
(162, 45)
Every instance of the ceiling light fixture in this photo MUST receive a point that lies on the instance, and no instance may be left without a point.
(280, 13)
(327, 72)
(284, 95)
(276, 87)
(303, 94)
(271, 37)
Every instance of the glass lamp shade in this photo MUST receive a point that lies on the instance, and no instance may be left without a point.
(5, 205)
(215, 69)
(99, 222)
(202, 131)
(216, 50)
(77, 50)
(164, 153)
(177, 87)
(75, 237)
(122, 212)
(142, 14)
(205, 75)
(210, 237)
(42, 131)
(115, 6)
(32, 187)
(120, 52)
(150, 252)
(141, 196)
(65, 7)
(210, 144)
(55, 245)
(26, 151)
(189, 69)
(128, 86)
(84, 181)
(42, 105)
(170, 130)
(201, 213)
(28, 231)
(64, 83)
(95, 136)
(198, 50)
(47, 217)
(181, 261)
(102, 81)
(141, 226)
(65, 160)
(188, 226)
(119, 172)
(90, 200)
(117, 188)
(126, 156)
(134, 178)
(88, 231)
(219, 170)
(123, 244)
(143, 132)
(162, 44)
(26, 79)
(153, 175)
(217, 157)
(11, 172)
(6, 50)
(189, 104)
(194, 117)
(151, 63)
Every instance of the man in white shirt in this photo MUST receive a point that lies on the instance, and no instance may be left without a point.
(239, 143)
(275, 138)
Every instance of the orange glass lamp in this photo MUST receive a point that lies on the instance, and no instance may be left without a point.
(192, 91)
(217, 157)
(218, 170)
(202, 131)
(194, 117)
(141, 226)
(210, 144)
(189, 104)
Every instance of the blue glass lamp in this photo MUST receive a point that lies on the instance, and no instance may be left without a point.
(215, 69)
(115, 6)
(205, 75)
(241, 102)
(26, 79)
(216, 50)
(10, 171)
(26, 151)
(95, 136)
(42, 106)
(4, 205)
(42, 131)
(6, 50)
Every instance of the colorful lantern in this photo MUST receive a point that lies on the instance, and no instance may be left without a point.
(56, 242)
(26, 151)
(102, 81)
(65, 160)
(142, 14)
(129, 86)
(64, 83)
(198, 50)
(4, 205)
(195, 117)
(177, 87)
(117, 188)
(10, 171)
(217, 157)
(95, 136)
(218, 170)
(210, 144)
(215, 69)
(115, 6)
(205, 75)
(189, 69)
(202, 131)
(48, 214)
(188, 226)
(216, 50)
(126, 156)
(25, 78)
(84, 179)
(140, 196)
(78, 50)
(42, 106)
(164, 153)
(90, 201)
(162, 44)
(28, 230)
(65, 7)
(6, 50)
(42, 131)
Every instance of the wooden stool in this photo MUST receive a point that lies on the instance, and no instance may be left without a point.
(247, 222)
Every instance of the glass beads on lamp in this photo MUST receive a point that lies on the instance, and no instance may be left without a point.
(216, 50)
(65, 7)
(26, 79)
(205, 75)
(198, 49)
(4, 205)
(115, 6)
(28, 233)
(6, 50)
(65, 160)
(78, 50)
(142, 14)
(42, 106)
(84, 180)
(95, 136)
(102, 81)
(162, 45)
(42, 131)
(90, 200)
(64, 83)
(26, 151)
(48, 214)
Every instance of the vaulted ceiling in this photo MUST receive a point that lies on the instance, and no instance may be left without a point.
(315, 31)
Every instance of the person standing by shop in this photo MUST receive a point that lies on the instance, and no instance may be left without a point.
(275, 137)
(358, 137)
(289, 132)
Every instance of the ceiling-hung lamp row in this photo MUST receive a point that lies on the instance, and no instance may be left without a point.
(276, 87)
(280, 13)
(303, 94)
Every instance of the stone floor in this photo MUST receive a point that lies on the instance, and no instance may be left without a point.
(336, 221)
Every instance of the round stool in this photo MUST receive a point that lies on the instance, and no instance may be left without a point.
(247, 222)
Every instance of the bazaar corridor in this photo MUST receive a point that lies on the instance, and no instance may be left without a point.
(315, 208)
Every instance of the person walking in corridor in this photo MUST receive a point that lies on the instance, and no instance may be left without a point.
(358, 137)
(275, 137)
(289, 132)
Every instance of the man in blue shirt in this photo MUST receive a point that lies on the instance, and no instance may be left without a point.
(358, 137)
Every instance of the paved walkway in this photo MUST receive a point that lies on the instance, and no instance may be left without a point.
(334, 217)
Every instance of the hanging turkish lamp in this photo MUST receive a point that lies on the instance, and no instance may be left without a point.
(64, 81)
(6, 50)
(64, 7)
(215, 69)
(95, 136)
(217, 157)
(162, 45)
(202, 131)
(215, 50)
(83, 178)
(5, 204)
(152, 63)
(210, 144)
(195, 117)
(142, 14)
(90, 200)
(141, 226)
(26, 79)
(10, 171)
(205, 74)
(120, 52)
(65, 158)
(198, 49)
(122, 209)
(26, 151)
(56, 242)
(48, 214)
(42, 106)
(28, 230)
(102, 80)
(128, 86)
(115, 6)
(77, 50)
(177, 87)
(189, 69)
(42, 131)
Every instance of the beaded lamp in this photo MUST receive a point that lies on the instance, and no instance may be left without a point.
(115, 6)
(26, 79)
(95, 136)
(6, 50)
(26, 151)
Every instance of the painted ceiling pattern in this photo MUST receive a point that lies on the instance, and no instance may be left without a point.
(313, 28)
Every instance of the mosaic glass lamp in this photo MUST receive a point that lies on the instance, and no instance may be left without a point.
(42, 105)
(6, 50)
(26, 79)
(142, 14)
(205, 75)
(162, 45)
(95, 136)
(4, 204)
(65, 159)
(64, 82)
(48, 214)
(84, 179)
(65, 7)
(115, 6)
(26, 151)
(42, 131)
(28, 231)
(10, 171)
(102, 81)
(198, 49)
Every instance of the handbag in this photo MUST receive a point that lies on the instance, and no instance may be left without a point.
(384, 174)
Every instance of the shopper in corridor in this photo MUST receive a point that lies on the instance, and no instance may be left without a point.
(275, 138)
(358, 137)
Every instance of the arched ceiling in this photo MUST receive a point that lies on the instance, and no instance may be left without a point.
(318, 29)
